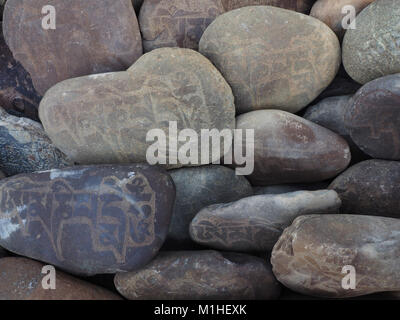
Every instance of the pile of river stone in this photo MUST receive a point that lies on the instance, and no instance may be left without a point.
(78, 101)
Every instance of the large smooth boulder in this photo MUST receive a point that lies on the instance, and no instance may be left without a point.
(197, 188)
(371, 50)
(91, 36)
(311, 254)
(87, 219)
(372, 118)
(290, 149)
(200, 275)
(370, 187)
(25, 147)
(256, 223)
(107, 118)
(22, 279)
(284, 68)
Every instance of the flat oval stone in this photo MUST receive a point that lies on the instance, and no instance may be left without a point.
(197, 188)
(21, 279)
(106, 118)
(87, 219)
(310, 255)
(91, 36)
(285, 68)
(25, 147)
(330, 12)
(371, 50)
(256, 223)
(176, 23)
(372, 118)
(200, 275)
(302, 6)
(17, 94)
(290, 149)
(370, 187)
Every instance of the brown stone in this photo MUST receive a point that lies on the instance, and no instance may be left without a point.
(200, 275)
(106, 118)
(91, 36)
(290, 149)
(310, 255)
(21, 279)
(256, 223)
(285, 68)
(370, 187)
(330, 12)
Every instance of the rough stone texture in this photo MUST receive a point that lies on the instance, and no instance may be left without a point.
(176, 23)
(302, 6)
(330, 12)
(371, 50)
(197, 188)
(200, 275)
(25, 147)
(106, 118)
(372, 118)
(286, 188)
(256, 223)
(370, 187)
(290, 149)
(91, 36)
(87, 220)
(21, 279)
(285, 68)
(17, 94)
(310, 255)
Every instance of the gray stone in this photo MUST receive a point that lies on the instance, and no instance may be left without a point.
(286, 188)
(256, 223)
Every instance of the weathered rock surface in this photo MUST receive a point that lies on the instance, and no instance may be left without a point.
(292, 187)
(25, 147)
(372, 118)
(17, 94)
(330, 12)
(371, 50)
(106, 118)
(197, 188)
(370, 187)
(200, 275)
(290, 149)
(256, 223)
(285, 68)
(303, 6)
(21, 279)
(87, 219)
(310, 255)
(91, 36)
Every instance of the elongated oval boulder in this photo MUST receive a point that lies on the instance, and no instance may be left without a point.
(25, 147)
(87, 219)
(330, 12)
(372, 118)
(197, 188)
(91, 36)
(107, 118)
(371, 50)
(200, 275)
(256, 223)
(310, 255)
(370, 187)
(285, 68)
(21, 279)
(290, 149)
(302, 6)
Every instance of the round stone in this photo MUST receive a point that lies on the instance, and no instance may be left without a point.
(200, 275)
(87, 219)
(319, 254)
(91, 36)
(255, 223)
(370, 187)
(371, 50)
(285, 68)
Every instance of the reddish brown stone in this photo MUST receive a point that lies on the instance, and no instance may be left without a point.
(21, 279)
